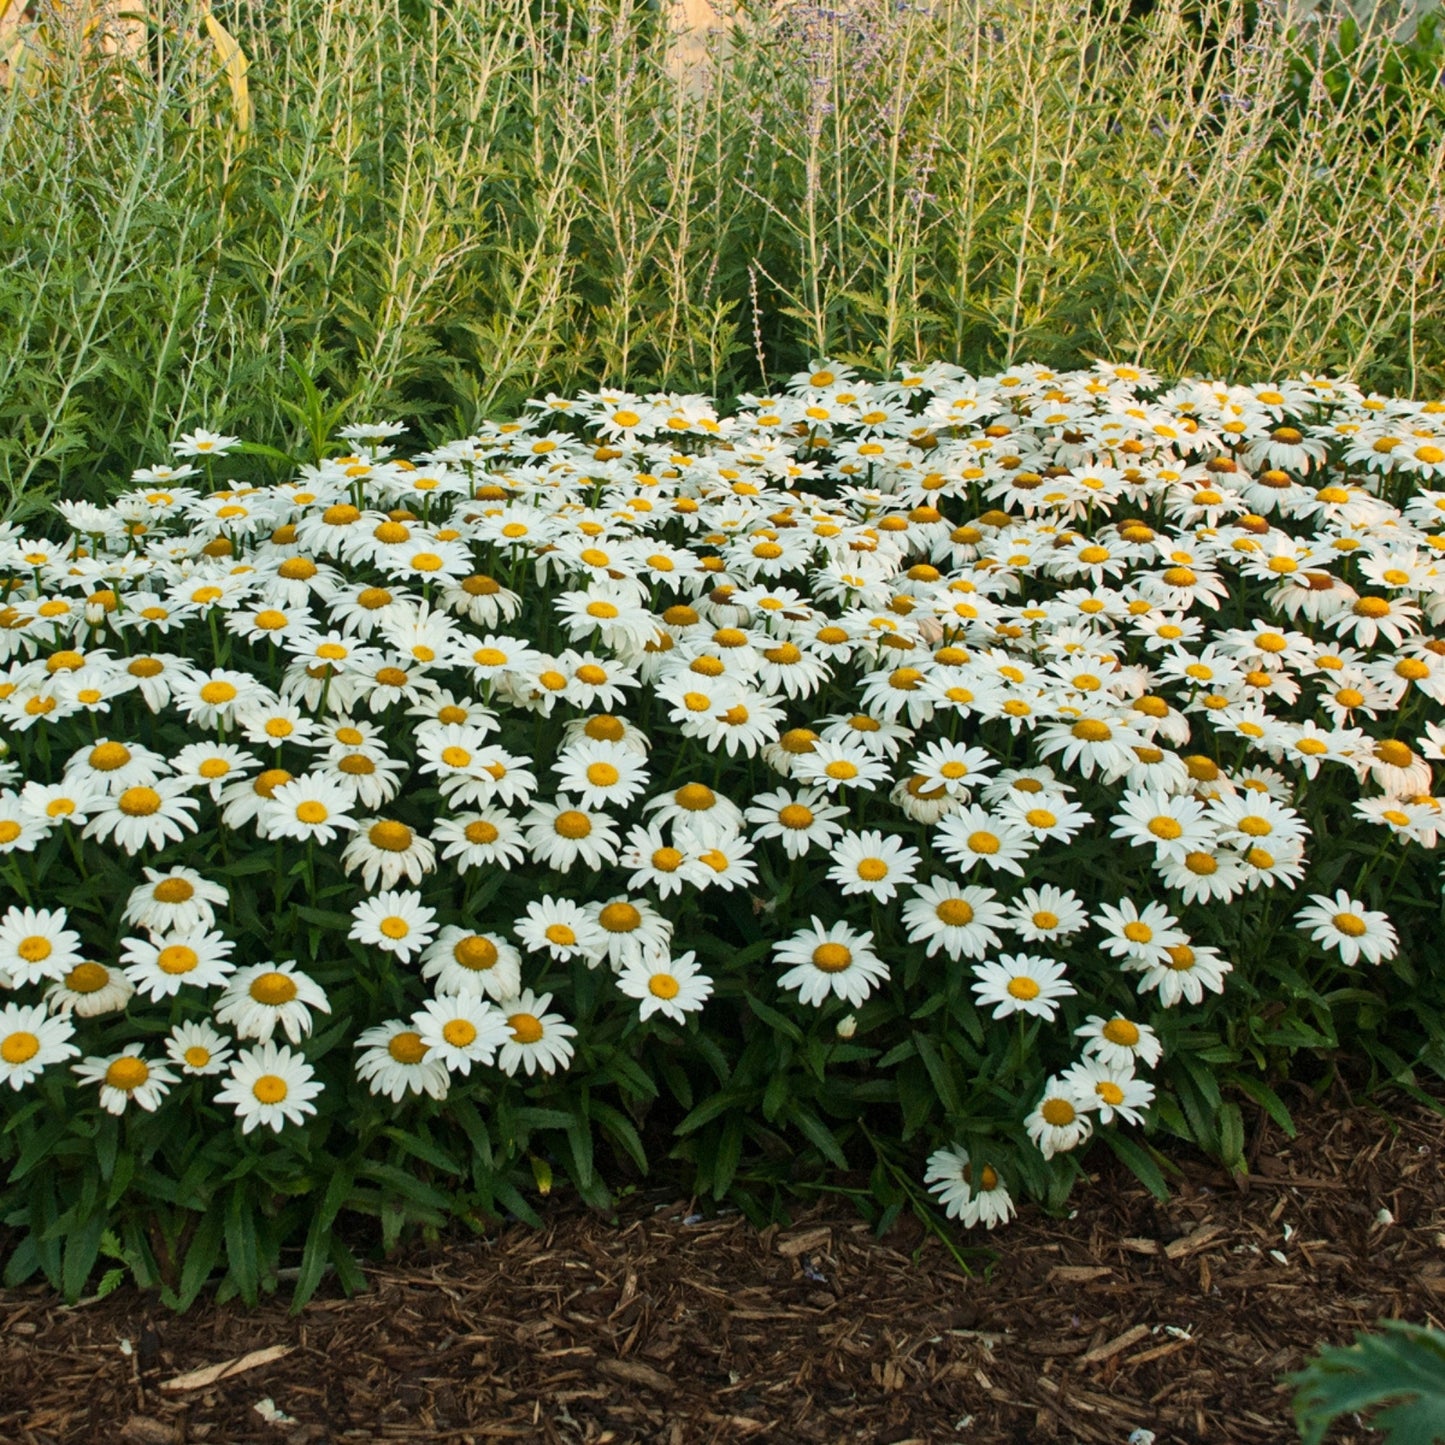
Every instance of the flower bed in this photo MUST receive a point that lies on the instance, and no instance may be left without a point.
(984, 765)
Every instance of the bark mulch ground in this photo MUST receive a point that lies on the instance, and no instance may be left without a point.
(671, 1328)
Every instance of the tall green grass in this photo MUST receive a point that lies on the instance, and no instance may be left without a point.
(439, 210)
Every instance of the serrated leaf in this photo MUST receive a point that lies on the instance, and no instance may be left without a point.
(1404, 1368)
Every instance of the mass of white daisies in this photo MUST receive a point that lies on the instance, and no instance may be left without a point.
(926, 638)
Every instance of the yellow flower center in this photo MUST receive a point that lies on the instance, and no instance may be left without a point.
(139, 802)
(107, 757)
(1181, 957)
(475, 953)
(269, 1089)
(19, 1047)
(197, 1056)
(1120, 1031)
(273, 989)
(1040, 818)
(561, 935)
(481, 832)
(667, 860)
(1109, 1092)
(572, 824)
(87, 978)
(407, 1047)
(393, 927)
(1023, 987)
(1165, 827)
(841, 770)
(127, 1073)
(526, 1028)
(985, 843)
(1394, 753)
(832, 957)
(311, 812)
(459, 1033)
(1350, 924)
(620, 918)
(1058, 1113)
(218, 693)
(1092, 730)
(35, 949)
(872, 870)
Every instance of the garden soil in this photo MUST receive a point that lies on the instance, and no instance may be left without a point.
(669, 1326)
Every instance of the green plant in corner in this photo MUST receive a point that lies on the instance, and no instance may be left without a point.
(1403, 1368)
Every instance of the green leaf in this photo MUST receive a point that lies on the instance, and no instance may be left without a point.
(1137, 1159)
(1266, 1098)
(1404, 1367)
(82, 1249)
(201, 1259)
(774, 1020)
(818, 1134)
(242, 1248)
(317, 1249)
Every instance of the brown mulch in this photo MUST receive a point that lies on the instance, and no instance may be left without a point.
(671, 1328)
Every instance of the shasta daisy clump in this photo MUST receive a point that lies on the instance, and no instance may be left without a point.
(983, 760)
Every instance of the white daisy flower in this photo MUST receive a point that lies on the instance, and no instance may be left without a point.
(258, 998)
(198, 1049)
(972, 1195)
(631, 927)
(601, 774)
(670, 986)
(484, 838)
(158, 966)
(1119, 1042)
(126, 1077)
(697, 807)
(959, 920)
(1346, 925)
(539, 1040)
(312, 807)
(1058, 1123)
(396, 922)
(396, 1062)
(559, 835)
(90, 990)
(208, 767)
(800, 820)
(460, 1030)
(1022, 983)
(460, 961)
(29, 1041)
(562, 929)
(36, 945)
(974, 835)
(1186, 971)
(177, 900)
(835, 961)
(1140, 936)
(871, 862)
(657, 863)
(1107, 1090)
(269, 1085)
(145, 814)
(385, 850)
(1045, 913)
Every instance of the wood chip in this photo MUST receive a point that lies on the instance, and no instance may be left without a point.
(1078, 1273)
(1110, 1348)
(213, 1374)
(1192, 1243)
(634, 1372)
(792, 1245)
(1139, 1246)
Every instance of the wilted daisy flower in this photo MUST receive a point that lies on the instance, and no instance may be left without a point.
(127, 1077)
(461, 961)
(36, 945)
(270, 1085)
(562, 929)
(158, 966)
(177, 900)
(674, 987)
(29, 1041)
(1107, 1090)
(1346, 925)
(1119, 1042)
(835, 961)
(89, 990)
(538, 1039)
(971, 1194)
(1022, 983)
(1058, 1123)
(198, 1048)
(396, 1062)
(258, 998)
(394, 921)
(460, 1030)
